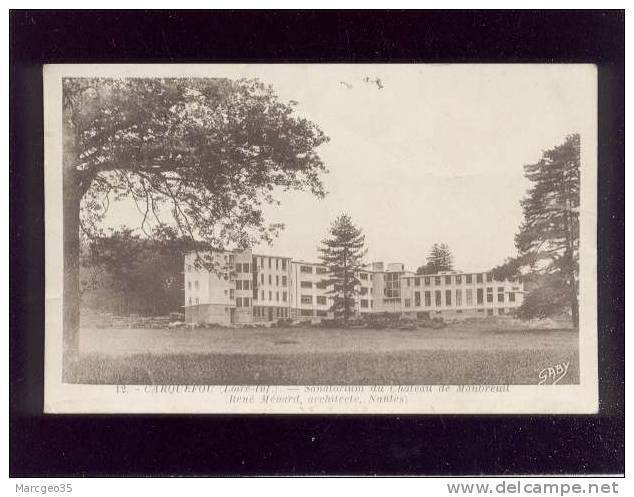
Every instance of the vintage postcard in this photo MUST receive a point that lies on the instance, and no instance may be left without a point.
(321, 238)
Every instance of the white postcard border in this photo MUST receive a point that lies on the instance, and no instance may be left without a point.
(516, 399)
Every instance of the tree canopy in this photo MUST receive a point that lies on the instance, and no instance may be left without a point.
(548, 238)
(124, 272)
(201, 155)
(342, 253)
(439, 259)
(208, 151)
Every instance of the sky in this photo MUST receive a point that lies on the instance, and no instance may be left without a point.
(436, 155)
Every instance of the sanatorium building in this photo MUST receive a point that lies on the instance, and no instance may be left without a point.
(251, 288)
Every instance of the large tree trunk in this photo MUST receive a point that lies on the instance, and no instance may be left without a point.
(75, 186)
(71, 282)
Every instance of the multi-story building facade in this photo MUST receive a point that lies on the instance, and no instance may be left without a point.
(248, 288)
(459, 295)
(309, 293)
(271, 287)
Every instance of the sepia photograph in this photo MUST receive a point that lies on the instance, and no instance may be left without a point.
(316, 243)
(331, 238)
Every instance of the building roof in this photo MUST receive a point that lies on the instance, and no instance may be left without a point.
(296, 261)
(273, 256)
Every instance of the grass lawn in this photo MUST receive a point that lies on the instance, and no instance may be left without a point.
(459, 354)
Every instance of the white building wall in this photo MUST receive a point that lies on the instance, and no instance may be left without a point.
(271, 288)
(313, 274)
(364, 302)
(209, 295)
(272, 280)
(497, 297)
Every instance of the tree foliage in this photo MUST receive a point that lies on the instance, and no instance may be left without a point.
(548, 238)
(545, 297)
(124, 272)
(439, 259)
(342, 253)
(207, 151)
(200, 155)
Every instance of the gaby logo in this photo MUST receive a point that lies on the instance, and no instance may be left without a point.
(554, 374)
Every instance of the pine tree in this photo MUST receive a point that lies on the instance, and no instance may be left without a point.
(549, 234)
(439, 259)
(342, 253)
(548, 239)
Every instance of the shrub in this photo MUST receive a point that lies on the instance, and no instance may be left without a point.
(282, 323)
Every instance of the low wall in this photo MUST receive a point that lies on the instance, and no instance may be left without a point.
(208, 313)
(131, 321)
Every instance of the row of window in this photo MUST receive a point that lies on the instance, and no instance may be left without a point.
(279, 263)
(270, 294)
(438, 300)
(456, 279)
(365, 304)
(243, 302)
(246, 284)
(388, 292)
(437, 294)
(392, 282)
(271, 262)
(284, 280)
(243, 267)
(392, 288)
(270, 312)
(392, 293)
(308, 299)
(309, 284)
(309, 269)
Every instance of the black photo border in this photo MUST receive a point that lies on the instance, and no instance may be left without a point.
(153, 445)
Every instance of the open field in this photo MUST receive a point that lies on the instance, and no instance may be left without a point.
(460, 354)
